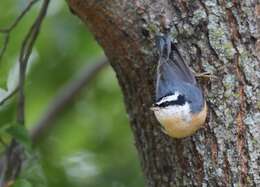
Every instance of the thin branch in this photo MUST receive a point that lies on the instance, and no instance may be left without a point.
(15, 151)
(6, 41)
(25, 53)
(19, 18)
(65, 97)
(8, 30)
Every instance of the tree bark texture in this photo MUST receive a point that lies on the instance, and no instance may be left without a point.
(215, 36)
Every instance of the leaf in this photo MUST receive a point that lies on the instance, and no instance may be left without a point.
(3, 94)
(22, 183)
(13, 77)
(3, 128)
(21, 134)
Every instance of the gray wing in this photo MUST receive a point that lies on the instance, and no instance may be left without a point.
(172, 73)
(181, 69)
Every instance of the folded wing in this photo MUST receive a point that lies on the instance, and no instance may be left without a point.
(172, 73)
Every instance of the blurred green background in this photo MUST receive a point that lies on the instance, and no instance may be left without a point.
(91, 143)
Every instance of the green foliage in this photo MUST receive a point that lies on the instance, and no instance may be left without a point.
(22, 183)
(91, 142)
(21, 134)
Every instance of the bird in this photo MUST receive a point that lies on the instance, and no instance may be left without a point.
(179, 106)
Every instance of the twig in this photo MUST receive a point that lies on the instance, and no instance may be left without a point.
(18, 19)
(25, 53)
(65, 97)
(15, 151)
(6, 41)
(8, 30)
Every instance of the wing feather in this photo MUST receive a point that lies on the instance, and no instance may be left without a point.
(181, 68)
(172, 73)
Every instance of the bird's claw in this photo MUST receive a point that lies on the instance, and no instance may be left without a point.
(206, 75)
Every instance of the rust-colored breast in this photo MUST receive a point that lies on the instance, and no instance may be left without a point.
(179, 128)
(199, 118)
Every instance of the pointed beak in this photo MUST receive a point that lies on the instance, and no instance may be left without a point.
(154, 108)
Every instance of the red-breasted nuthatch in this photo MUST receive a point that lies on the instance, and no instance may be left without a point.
(180, 106)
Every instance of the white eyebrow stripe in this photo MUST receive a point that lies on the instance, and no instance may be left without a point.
(168, 98)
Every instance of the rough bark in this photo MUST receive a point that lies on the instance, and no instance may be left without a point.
(215, 36)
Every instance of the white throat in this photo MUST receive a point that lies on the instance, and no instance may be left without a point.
(181, 111)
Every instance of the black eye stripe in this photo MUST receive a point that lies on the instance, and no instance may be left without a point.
(180, 101)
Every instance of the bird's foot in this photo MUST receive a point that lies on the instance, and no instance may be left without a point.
(206, 75)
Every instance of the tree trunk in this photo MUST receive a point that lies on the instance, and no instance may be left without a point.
(215, 36)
